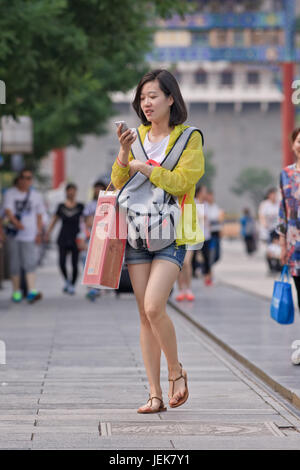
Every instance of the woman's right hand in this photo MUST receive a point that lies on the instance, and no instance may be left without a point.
(126, 139)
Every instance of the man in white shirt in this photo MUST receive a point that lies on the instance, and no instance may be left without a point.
(23, 207)
(268, 214)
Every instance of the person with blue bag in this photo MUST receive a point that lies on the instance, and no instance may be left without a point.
(289, 221)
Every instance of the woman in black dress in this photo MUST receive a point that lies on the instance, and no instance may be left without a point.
(70, 213)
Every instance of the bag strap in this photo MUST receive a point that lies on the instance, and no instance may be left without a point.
(155, 163)
(171, 159)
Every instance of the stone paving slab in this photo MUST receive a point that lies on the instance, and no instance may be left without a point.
(248, 273)
(88, 372)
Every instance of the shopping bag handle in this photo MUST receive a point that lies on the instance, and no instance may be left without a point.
(285, 272)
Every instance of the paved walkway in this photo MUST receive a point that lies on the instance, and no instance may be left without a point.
(74, 378)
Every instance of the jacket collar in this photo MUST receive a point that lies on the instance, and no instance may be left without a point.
(173, 136)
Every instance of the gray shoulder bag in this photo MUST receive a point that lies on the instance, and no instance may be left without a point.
(152, 213)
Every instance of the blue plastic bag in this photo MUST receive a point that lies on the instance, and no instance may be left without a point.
(282, 306)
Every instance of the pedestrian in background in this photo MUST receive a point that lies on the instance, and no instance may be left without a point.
(70, 214)
(201, 260)
(248, 231)
(88, 214)
(268, 219)
(160, 106)
(289, 220)
(23, 207)
(191, 262)
(42, 249)
(203, 216)
(216, 219)
(2, 240)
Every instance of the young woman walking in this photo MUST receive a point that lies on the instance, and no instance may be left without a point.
(159, 105)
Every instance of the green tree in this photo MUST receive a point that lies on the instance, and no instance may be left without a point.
(254, 182)
(62, 59)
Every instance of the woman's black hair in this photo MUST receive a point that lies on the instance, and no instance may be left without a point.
(26, 169)
(168, 84)
(100, 183)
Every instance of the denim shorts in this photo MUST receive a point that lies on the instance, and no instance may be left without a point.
(172, 253)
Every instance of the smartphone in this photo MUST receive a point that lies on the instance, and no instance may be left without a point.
(124, 126)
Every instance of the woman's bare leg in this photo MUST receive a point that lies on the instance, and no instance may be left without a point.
(162, 277)
(151, 351)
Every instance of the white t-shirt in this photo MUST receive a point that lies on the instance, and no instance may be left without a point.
(156, 150)
(13, 199)
(274, 250)
(203, 219)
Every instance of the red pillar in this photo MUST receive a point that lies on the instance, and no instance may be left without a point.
(58, 167)
(288, 113)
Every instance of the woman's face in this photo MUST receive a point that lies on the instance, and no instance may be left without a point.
(154, 103)
(296, 146)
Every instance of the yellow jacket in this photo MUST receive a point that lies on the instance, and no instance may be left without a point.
(180, 181)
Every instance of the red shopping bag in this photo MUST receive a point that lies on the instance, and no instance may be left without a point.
(107, 244)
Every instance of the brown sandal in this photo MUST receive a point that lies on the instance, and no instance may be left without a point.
(148, 411)
(182, 400)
